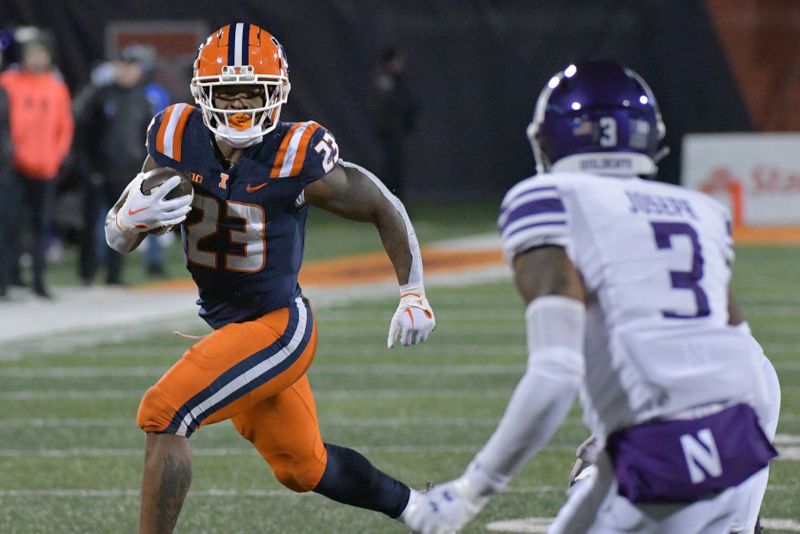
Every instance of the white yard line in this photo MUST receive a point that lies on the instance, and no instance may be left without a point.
(787, 439)
(533, 525)
(327, 422)
(73, 394)
(786, 453)
(89, 316)
(55, 373)
(241, 451)
(116, 493)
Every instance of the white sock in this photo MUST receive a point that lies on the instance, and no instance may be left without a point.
(411, 506)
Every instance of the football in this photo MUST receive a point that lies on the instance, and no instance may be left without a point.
(155, 177)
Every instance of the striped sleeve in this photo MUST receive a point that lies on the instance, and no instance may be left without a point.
(532, 215)
(165, 134)
(307, 150)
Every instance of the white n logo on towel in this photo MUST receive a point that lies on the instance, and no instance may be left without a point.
(702, 457)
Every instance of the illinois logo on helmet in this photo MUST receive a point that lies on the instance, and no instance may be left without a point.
(241, 54)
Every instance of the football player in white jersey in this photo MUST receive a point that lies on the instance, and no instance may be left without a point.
(626, 285)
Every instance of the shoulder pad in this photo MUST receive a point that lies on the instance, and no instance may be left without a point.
(166, 131)
(532, 214)
(306, 149)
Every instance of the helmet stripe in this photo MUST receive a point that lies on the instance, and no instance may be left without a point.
(245, 44)
(237, 53)
(231, 55)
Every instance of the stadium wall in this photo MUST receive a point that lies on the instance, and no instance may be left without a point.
(476, 68)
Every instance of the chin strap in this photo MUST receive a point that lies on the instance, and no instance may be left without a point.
(240, 143)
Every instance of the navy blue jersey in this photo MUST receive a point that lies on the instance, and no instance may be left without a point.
(243, 239)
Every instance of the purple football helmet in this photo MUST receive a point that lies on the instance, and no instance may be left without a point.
(598, 117)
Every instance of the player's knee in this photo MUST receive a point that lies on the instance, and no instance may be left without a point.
(297, 475)
(155, 413)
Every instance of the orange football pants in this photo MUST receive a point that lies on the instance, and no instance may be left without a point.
(255, 374)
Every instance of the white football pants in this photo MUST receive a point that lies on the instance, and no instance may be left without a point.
(594, 507)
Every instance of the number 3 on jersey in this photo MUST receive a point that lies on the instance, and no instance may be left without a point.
(250, 238)
(684, 280)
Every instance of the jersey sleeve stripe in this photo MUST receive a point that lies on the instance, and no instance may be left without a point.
(516, 231)
(162, 129)
(291, 150)
(513, 202)
(300, 154)
(169, 132)
(553, 232)
(178, 137)
(281, 155)
(521, 190)
(534, 207)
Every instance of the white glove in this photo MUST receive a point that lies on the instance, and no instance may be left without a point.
(445, 509)
(413, 321)
(143, 213)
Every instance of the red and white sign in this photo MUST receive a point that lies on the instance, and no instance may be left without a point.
(756, 174)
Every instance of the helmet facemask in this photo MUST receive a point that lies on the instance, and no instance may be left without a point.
(241, 127)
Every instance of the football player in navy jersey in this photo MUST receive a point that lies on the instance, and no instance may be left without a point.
(243, 229)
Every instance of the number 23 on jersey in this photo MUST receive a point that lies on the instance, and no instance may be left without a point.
(252, 256)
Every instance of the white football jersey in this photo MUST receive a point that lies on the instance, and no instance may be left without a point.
(655, 261)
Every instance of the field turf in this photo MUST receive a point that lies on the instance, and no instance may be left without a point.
(71, 455)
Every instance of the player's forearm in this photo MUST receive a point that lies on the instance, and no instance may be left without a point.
(118, 238)
(554, 328)
(396, 239)
(396, 232)
(735, 315)
(539, 404)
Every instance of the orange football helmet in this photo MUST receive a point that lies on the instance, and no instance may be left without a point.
(241, 54)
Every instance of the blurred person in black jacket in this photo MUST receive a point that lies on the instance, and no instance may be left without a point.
(111, 126)
(395, 117)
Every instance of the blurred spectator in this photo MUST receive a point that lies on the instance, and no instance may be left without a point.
(41, 132)
(395, 118)
(5, 176)
(112, 117)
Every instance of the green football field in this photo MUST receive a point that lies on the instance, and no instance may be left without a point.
(71, 455)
